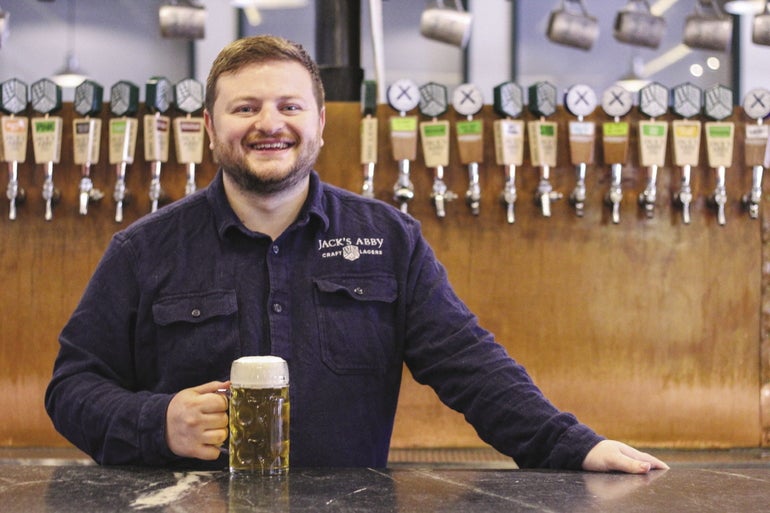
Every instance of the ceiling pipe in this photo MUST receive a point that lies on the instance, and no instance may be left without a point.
(338, 48)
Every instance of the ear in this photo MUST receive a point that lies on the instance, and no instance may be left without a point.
(322, 123)
(209, 123)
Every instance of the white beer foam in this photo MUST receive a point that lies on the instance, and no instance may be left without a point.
(259, 372)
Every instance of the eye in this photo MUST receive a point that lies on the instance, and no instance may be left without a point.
(244, 109)
(291, 107)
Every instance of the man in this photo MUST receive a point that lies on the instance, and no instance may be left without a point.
(269, 260)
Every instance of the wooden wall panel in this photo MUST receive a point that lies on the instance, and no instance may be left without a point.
(648, 330)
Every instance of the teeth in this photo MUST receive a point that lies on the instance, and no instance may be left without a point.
(270, 146)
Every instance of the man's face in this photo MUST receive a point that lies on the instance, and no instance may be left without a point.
(266, 129)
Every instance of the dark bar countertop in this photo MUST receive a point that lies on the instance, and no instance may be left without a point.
(70, 486)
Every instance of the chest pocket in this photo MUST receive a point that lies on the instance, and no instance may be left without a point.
(356, 318)
(197, 334)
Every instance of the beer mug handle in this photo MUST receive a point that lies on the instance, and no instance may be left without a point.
(225, 447)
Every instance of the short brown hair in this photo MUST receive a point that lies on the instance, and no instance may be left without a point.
(259, 49)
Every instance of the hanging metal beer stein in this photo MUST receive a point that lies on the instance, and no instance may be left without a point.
(636, 25)
(760, 30)
(571, 25)
(708, 28)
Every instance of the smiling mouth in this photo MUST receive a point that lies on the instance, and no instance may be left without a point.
(271, 146)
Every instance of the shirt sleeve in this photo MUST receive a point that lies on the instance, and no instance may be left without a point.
(448, 350)
(93, 398)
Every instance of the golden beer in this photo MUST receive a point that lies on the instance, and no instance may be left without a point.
(259, 416)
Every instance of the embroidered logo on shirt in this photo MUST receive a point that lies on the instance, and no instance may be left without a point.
(351, 253)
(350, 248)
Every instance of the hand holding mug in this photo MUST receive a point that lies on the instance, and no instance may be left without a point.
(196, 421)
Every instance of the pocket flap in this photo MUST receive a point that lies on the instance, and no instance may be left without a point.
(365, 287)
(194, 308)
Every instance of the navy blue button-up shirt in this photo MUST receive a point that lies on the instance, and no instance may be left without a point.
(347, 294)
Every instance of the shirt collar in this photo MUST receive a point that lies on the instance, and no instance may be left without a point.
(226, 219)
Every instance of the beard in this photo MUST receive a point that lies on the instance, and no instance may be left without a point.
(249, 180)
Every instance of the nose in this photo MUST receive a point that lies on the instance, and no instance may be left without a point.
(268, 120)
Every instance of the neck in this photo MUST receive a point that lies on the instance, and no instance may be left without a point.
(269, 214)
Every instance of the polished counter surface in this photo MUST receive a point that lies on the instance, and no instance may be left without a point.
(72, 486)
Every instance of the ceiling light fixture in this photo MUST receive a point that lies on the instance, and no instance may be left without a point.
(740, 7)
(634, 80)
(70, 75)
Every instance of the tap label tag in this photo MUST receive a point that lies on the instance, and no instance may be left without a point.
(435, 142)
(470, 141)
(156, 138)
(403, 137)
(686, 142)
(719, 143)
(756, 144)
(369, 140)
(46, 139)
(582, 137)
(123, 133)
(543, 139)
(86, 136)
(652, 143)
(14, 131)
(188, 139)
(615, 142)
(509, 142)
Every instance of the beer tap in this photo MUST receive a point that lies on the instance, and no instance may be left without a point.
(653, 102)
(580, 100)
(86, 138)
(686, 101)
(124, 102)
(159, 95)
(467, 101)
(403, 96)
(434, 134)
(720, 135)
(46, 136)
(509, 139)
(13, 101)
(543, 142)
(756, 105)
(189, 130)
(616, 102)
(368, 135)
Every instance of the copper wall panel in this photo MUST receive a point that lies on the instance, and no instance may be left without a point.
(649, 330)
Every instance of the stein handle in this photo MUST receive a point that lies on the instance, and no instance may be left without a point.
(638, 5)
(225, 447)
(440, 4)
(575, 3)
(711, 6)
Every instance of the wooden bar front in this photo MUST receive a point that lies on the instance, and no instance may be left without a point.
(649, 330)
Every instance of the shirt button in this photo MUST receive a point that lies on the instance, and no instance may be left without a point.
(195, 312)
(359, 291)
(275, 249)
(277, 308)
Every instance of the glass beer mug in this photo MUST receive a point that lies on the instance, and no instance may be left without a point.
(259, 415)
